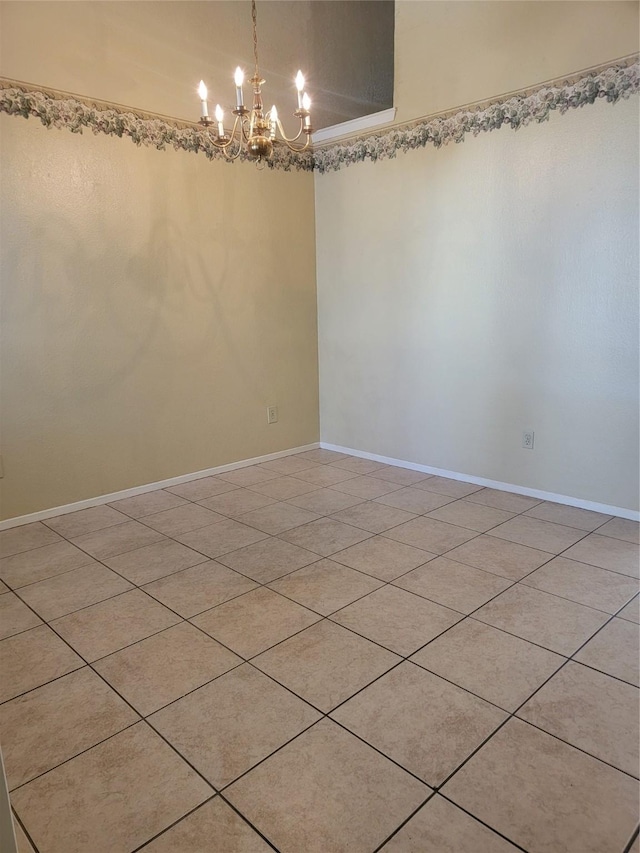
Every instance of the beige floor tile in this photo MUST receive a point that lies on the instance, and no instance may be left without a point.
(3, 588)
(325, 536)
(440, 827)
(113, 624)
(396, 619)
(498, 667)
(420, 720)
(373, 516)
(236, 503)
(271, 618)
(474, 516)
(278, 517)
(545, 795)
(53, 723)
(357, 465)
(325, 664)
(401, 476)
(614, 650)
(226, 727)
(544, 535)
(383, 558)
(412, 499)
(154, 561)
(506, 559)
(284, 488)
(434, 536)
(351, 797)
(635, 847)
(41, 563)
(621, 528)
(288, 465)
(194, 590)
(322, 456)
(249, 476)
(117, 539)
(112, 798)
(73, 590)
(585, 584)
(86, 521)
(631, 611)
(446, 486)
(324, 501)
(32, 658)
(15, 540)
(15, 616)
(366, 487)
(182, 519)
(204, 487)
(592, 711)
(555, 623)
(212, 827)
(24, 845)
(325, 586)
(165, 667)
(571, 516)
(607, 553)
(325, 475)
(221, 538)
(503, 500)
(268, 559)
(454, 585)
(148, 503)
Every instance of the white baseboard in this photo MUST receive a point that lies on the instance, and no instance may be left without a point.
(622, 512)
(18, 521)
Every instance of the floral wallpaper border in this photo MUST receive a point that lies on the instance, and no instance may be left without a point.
(75, 115)
(612, 82)
(532, 105)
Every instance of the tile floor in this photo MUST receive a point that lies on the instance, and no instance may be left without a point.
(322, 653)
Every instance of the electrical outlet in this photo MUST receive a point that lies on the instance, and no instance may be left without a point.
(527, 439)
(272, 414)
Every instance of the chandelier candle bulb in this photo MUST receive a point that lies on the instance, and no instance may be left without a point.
(300, 88)
(306, 105)
(202, 92)
(254, 132)
(239, 80)
(220, 120)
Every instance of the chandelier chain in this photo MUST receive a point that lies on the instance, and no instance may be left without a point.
(254, 18)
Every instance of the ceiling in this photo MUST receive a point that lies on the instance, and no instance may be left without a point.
(151, 55)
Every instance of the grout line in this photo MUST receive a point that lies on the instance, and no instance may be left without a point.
(76, 754)
(479, 820)
(175, 823)
(432, 794)
(513, 714)
(326, 618)
(629, 844)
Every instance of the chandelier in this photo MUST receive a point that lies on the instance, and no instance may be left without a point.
(254, 130)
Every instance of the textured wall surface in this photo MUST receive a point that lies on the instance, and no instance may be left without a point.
(145, 325)
(453, 53)
(468, 293)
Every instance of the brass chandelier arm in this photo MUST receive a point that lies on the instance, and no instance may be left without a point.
(254, 129)
(295, 138)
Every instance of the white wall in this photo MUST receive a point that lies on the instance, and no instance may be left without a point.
(471, 292)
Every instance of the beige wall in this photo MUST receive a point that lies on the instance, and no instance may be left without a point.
(149, 315)
(469, 293)
(453, 53)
